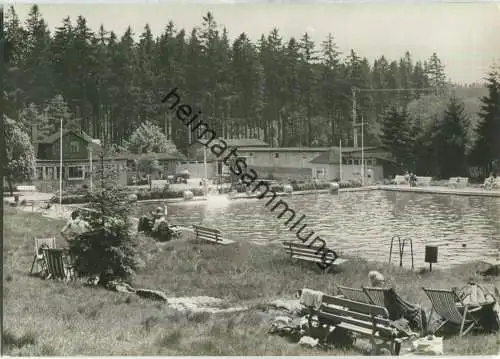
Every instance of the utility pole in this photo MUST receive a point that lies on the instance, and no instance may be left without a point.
(362, 153)
(355, 129)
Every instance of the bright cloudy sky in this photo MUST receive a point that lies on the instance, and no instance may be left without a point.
(466, 36)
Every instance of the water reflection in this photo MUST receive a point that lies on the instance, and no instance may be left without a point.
(361, 223)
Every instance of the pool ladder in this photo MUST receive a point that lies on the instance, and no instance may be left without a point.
(401, 247)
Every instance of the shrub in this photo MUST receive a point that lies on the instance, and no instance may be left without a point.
(108, 249)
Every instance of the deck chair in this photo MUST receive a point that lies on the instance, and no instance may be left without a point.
(398, 307)
(444, 303)
(58, 264)
(354, 294)
(38, 259)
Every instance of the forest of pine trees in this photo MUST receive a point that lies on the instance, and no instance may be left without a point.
(287, 92)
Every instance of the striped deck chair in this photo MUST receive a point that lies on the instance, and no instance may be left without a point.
(38, 259)
(57, 264)
(444, 303)
(398, 307)
(354, 294)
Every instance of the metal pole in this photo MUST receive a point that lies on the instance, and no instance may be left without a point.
(91, 169)
(340, 174)
(60, 166)
(205, 180)
(354, 128)
(362, 154)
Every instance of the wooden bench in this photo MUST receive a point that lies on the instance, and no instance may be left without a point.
(398, 179)
(313, 254)
(159, 184)
(458, 182)
(211, 235)
(363, 320)
(26, 188)
(423, 181)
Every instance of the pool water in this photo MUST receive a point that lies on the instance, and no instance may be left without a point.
(360, 223)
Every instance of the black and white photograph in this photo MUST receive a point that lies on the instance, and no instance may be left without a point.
(238, 178)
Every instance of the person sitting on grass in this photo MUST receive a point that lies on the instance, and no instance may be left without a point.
(75, 226)
(159, 217)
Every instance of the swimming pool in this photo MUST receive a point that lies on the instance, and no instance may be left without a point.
(360, 223)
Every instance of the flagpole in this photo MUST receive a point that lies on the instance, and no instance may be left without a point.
(205, 180)
(362, 154)
(60, 166)
(340, 174)
(90, 165)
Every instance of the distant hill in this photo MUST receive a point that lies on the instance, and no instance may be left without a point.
(470, 92)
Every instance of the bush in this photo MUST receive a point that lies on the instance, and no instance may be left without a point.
(109, 248)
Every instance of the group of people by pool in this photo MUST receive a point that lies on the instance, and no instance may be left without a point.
(77, 224)
(411, 178)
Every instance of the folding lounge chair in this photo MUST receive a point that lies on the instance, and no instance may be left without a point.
(57, 264)
(444, 303)
(38, 259)
(398, 307)
(354, 294)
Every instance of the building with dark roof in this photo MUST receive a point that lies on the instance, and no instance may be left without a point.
(81, 156)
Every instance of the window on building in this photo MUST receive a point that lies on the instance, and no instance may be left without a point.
(75, 146)
(39, 173)
(75, 172)
(320, 172)
(250, 154)
(276, 155)
(369, 162)
(349, 162)
(356, 162)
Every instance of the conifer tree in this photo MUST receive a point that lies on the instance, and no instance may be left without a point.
(450, 141)
(486, 150)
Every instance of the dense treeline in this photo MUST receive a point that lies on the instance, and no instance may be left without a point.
(292, 91)
(287, 92)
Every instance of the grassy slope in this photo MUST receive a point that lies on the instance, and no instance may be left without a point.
(54, 318)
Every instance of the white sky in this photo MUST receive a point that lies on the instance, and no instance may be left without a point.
(466, 36)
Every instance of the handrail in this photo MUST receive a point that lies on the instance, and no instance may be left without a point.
(401, 247)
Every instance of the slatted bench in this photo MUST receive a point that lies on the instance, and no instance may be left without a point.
(458, 182)
(361, 319)
(423, 181)
(210, 234)
(313, 254)
(398, 179)
(159, 184)
(26, 188)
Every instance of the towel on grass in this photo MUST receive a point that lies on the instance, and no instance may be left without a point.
(311, 298)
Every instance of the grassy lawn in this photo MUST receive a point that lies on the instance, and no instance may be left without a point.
(56, 318)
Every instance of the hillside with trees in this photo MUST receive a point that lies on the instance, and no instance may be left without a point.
(287, 92)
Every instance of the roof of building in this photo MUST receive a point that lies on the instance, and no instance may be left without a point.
(333, 156)
(303, 149)
(245, 142)
(134, 156)
(54, 137)
(330, 157)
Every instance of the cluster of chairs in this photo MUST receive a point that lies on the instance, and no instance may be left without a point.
(376, 313)
(449, 305)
